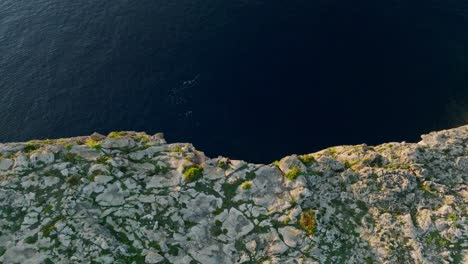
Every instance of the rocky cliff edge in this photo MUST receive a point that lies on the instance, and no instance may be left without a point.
(132, 198)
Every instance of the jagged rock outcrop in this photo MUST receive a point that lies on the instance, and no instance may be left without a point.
(133, 198)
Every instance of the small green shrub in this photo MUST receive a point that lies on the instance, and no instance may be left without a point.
(173, 250)
(95, 173)
(452, 217)
(250, 175)
(293, 201)
(70, 157)
(307, 221)
(276, 163)
(347, 164)
(426, 188)
(223, 165)
(177, 149)
(246, 185)
(73, 180)
(378, 162)
(317, 172)
(435, 238)
(308, 160)
(117, 134)
(68, 147)
(293, 173)
(30, 148)
(218, 211)
(230, 190)
(332, 151)
(52, 173)
(142, 138)
(62, 140)
(41, 141)
(103, 159)
(160, 169)
(47, 209)
(189, 224)
(49, 227)
(154, 245)
(193, 173)
(93, 143)
(31, 240)
(217, 230)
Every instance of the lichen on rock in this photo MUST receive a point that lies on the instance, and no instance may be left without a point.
(133, 198)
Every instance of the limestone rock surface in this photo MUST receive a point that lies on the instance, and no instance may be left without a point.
(130, 197)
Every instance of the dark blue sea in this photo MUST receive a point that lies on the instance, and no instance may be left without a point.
(249, 79)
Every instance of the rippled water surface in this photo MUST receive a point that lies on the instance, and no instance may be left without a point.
(249, 79)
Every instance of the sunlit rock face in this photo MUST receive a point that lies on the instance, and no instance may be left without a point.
(132, 198)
